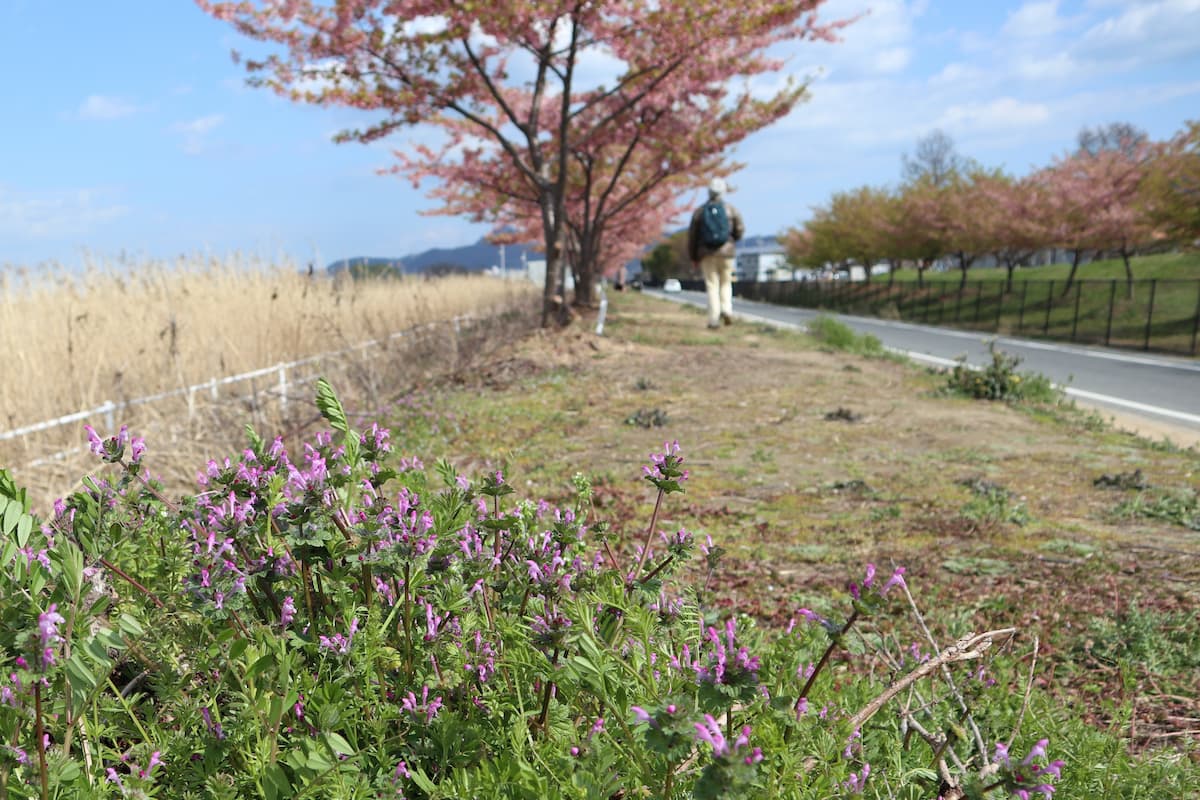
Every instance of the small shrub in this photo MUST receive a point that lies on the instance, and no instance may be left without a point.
(839, 336)
(1000, 380)
(1179, 507)
(1122, 480)
(992, 504)
(1160, 643)
(647, 418)
(842, 414)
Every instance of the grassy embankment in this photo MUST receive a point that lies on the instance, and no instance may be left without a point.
(1037, 306)
(808, 461)
(120, 331)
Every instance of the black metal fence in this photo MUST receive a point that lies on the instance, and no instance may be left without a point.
(1159, 314)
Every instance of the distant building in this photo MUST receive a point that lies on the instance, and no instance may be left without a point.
(762, 258)
(535, 269)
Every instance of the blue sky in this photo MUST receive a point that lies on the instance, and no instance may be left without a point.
(128, 129)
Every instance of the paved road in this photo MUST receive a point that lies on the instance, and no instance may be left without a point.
(1157, 388)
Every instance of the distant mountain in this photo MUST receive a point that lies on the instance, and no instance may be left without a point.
(483, 255)
(470, 258)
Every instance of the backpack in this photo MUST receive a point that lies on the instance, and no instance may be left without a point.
(714, 225)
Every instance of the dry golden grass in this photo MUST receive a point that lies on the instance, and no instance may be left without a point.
(73, 341)
(119, 332)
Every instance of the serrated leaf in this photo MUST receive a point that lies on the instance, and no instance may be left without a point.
(256, 441)
(330, 407)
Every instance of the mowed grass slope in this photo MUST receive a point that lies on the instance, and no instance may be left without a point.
(807, 462)
(1163, 266)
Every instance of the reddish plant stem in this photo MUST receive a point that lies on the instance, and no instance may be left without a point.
(40, 732)
(649, 535)
(650, 576)
(612, 559)
(828, 652)
(122, 574)
(542, 717)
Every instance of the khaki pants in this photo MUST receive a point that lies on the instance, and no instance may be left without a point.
(718, 282)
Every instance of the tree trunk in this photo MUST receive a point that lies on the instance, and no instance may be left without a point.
(554, 306)
(1076, 257)
(1128, 271)
(963, 265)
(1011, 265)
(585, 286)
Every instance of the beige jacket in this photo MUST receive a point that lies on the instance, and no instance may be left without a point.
(737, 229)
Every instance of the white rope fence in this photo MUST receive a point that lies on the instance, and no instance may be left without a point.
(286, 374)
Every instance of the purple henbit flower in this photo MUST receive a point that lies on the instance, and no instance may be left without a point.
(213, 727)
(897, 579)
(426, 708)
(709, 731)
(155, 761)
(338, 643)
(137, 449)
(48, 622)
(287, 611)
(95, 443)
(642, 714)
(857, 782)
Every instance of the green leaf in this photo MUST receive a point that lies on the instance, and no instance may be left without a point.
(237, 648)
(256, 441)
(276, 782)
(131, 627)
(259, 666)
(12, 513)
(330, 407)
(422, 780)
(338, 744)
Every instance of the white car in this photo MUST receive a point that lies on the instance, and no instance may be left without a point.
(672, 285)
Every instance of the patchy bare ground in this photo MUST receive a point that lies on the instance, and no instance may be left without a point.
(807, 463)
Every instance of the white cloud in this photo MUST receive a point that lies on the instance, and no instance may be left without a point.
(958, 74)
(1034, 20)
(104, 107)
(1003, 112)
(1148, 31)
(195, 132)
(879, 41)
(1060, 66)
(55, 213)
(894, 59)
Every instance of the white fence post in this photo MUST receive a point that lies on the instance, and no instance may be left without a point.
(283, 387)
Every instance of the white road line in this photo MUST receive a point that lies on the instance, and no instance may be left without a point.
(1085, 395)
(980, 336)
(1116, 401)
(948, 362)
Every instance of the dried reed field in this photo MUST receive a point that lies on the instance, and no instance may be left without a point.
(120, 331)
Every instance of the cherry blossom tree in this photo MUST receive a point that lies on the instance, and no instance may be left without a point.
(953, 213)
(1094, 202)
(1011, 219)
(508, 81)
(912, 239)
(1171, 190)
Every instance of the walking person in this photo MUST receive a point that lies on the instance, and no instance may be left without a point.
(716, 226)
